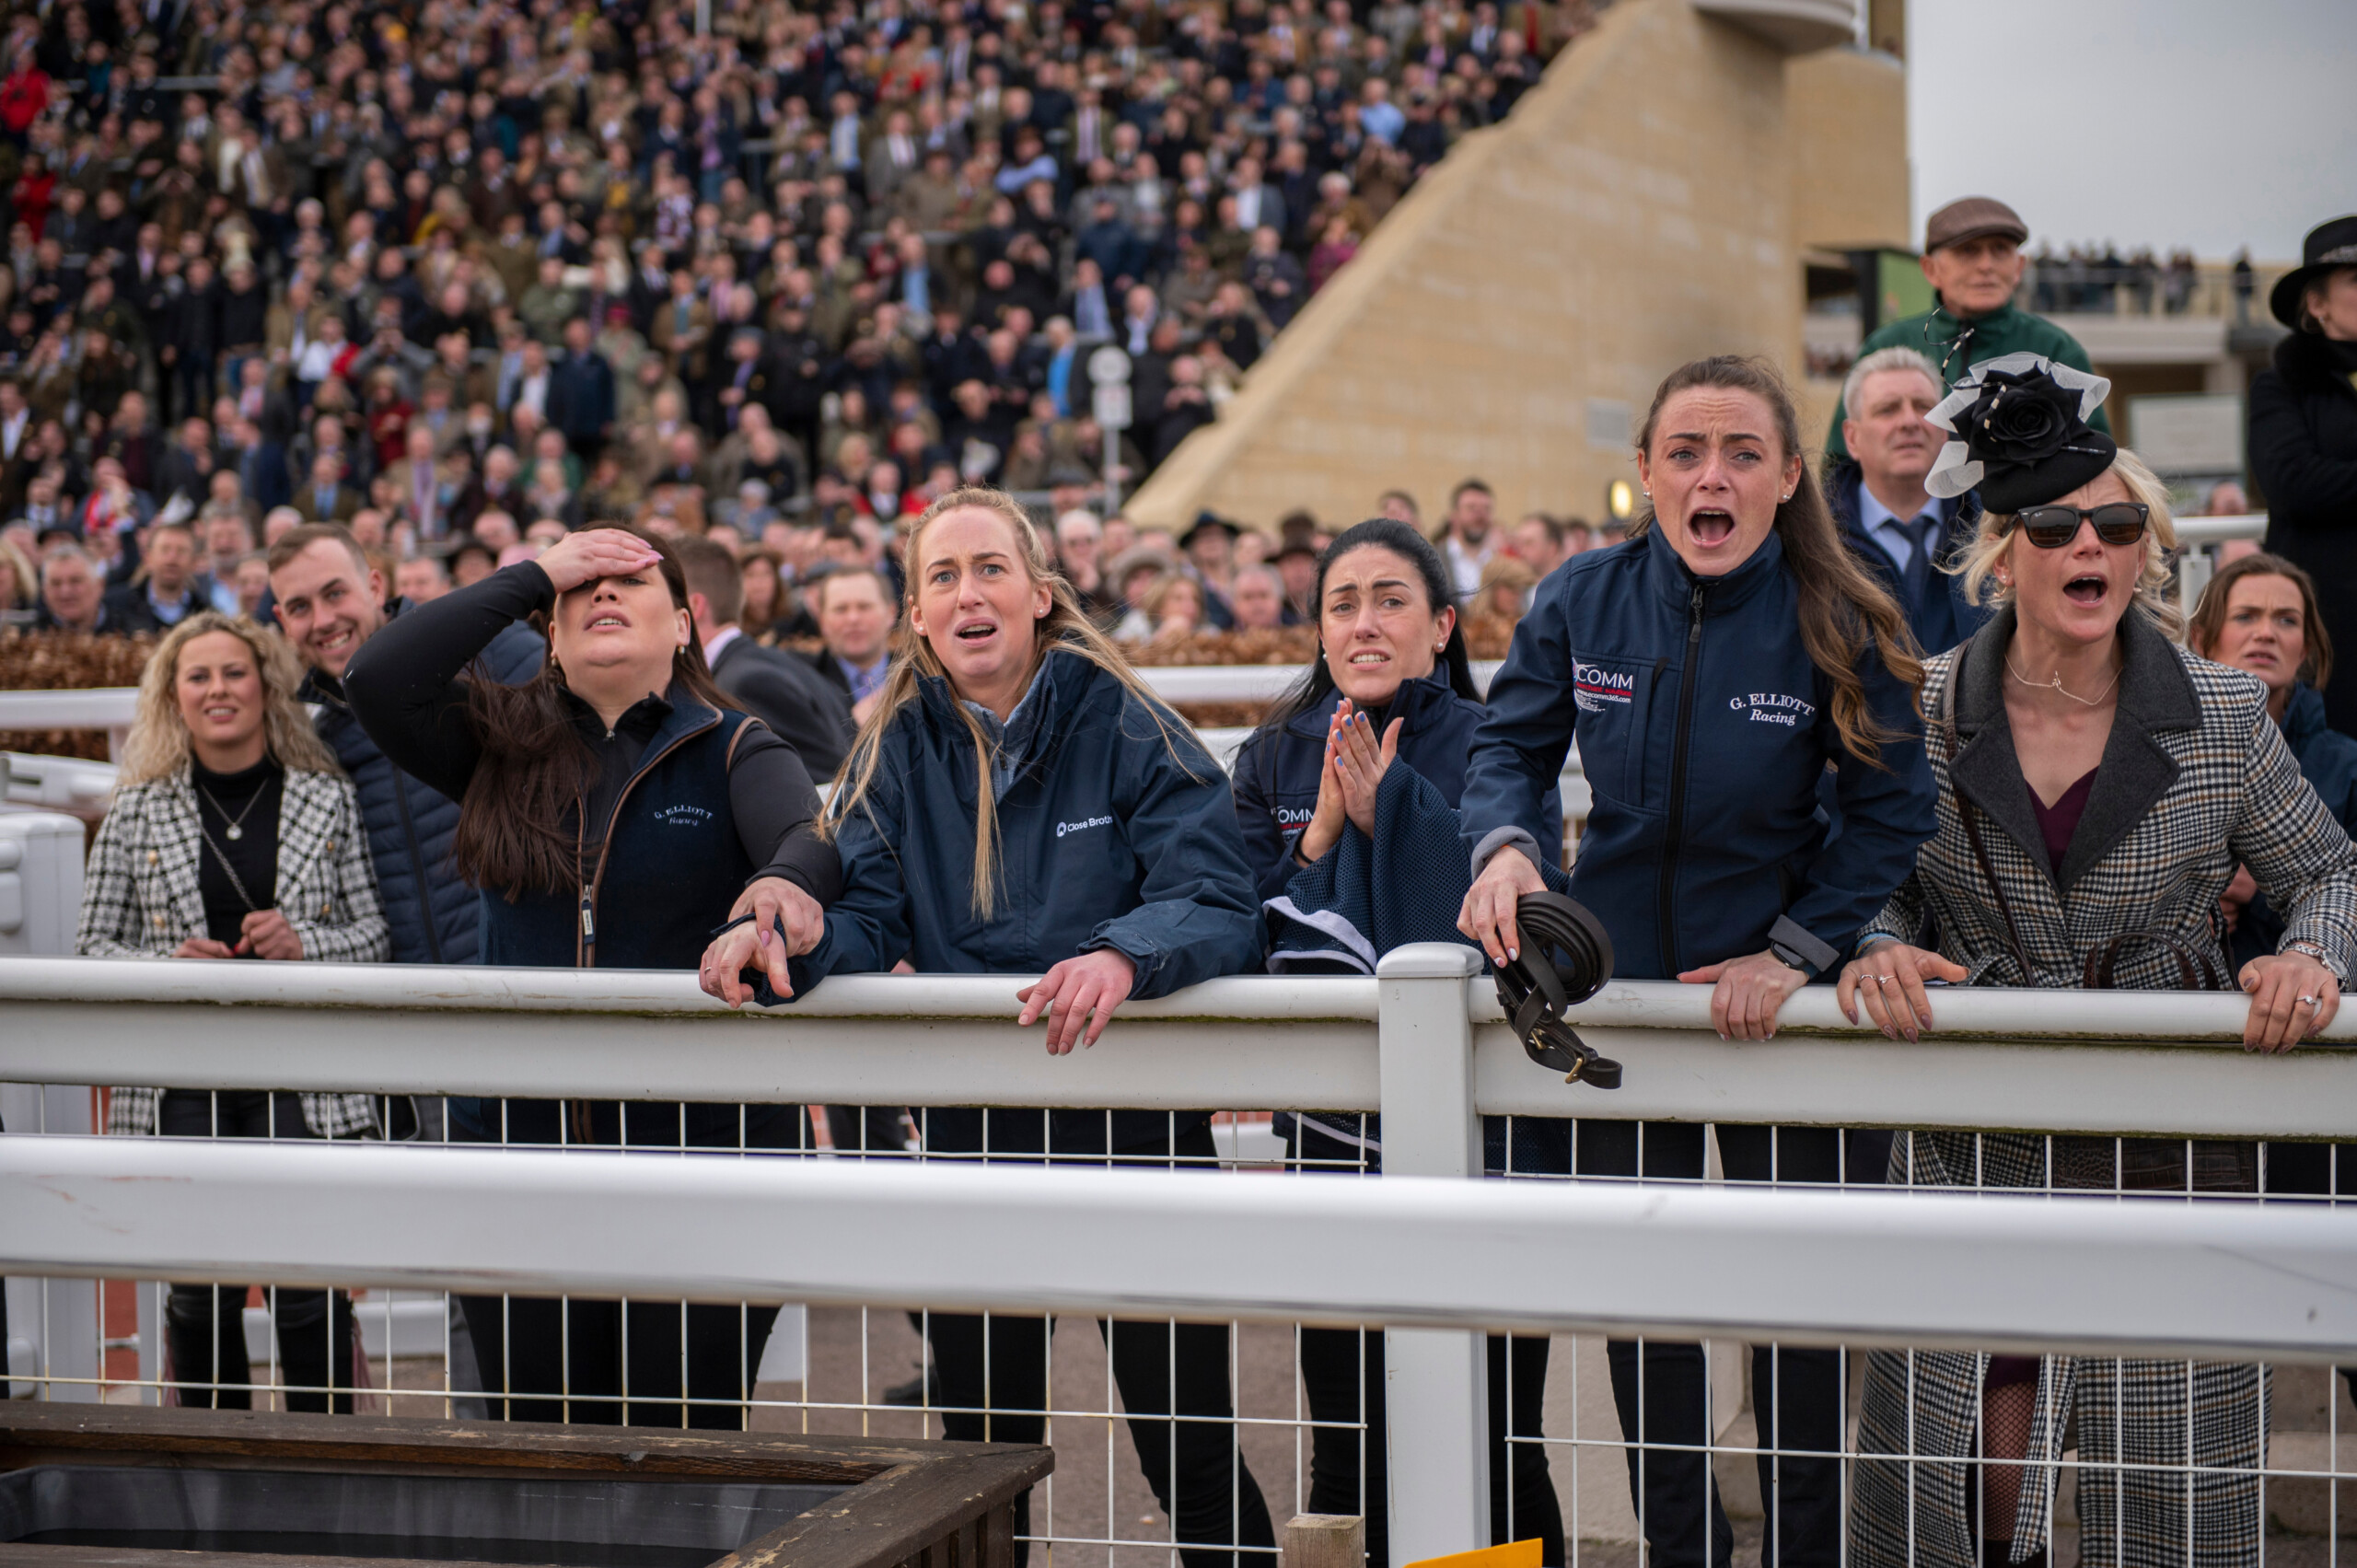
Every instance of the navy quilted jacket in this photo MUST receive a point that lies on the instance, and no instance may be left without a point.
(433, 915)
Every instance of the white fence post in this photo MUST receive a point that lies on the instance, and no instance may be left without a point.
(1435, 1380)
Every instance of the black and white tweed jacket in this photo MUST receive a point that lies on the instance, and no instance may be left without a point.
(2195, 781)
(141, 900)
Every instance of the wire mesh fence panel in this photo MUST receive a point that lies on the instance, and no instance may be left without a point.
(1189, 1441)
(1177, 1440)
(1783, 1455)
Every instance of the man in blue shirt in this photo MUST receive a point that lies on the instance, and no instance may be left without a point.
(1378, 116)
(855, 615)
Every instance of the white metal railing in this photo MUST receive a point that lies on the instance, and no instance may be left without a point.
(73, 783)
(2199, 531)
(2117, 1063)
(56, 784)
(97, 707)
(2277, 1282)
(1441, 1260)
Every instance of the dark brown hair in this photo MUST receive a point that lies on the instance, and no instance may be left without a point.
(300, 538)
(2209, 617)
(519, 825)
(1842, 609)
(711, 569)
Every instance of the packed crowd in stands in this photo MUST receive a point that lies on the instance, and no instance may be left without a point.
(473, 277)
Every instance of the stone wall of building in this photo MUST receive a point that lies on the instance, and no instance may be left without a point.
(1512, 316)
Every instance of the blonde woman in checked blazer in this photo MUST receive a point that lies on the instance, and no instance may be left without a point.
(2098, 786)
(234, 834)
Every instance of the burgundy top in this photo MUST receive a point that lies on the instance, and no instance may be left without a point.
(2057, 823)
(2060, 820)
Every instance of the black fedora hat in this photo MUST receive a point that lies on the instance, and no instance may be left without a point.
(1208, 519)
(2328, 245)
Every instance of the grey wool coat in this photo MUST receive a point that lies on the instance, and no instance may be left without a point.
(2195, 781)
(141, 900)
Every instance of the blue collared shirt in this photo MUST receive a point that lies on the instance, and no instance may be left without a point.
(1888, 529)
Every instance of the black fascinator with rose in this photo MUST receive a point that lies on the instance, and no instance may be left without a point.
(2021, 432)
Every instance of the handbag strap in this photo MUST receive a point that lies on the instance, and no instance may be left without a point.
(2195, 969)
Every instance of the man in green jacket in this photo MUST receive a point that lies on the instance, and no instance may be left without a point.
(1972, 256)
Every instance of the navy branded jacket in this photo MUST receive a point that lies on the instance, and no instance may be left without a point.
(1277, 770)
(2328, 761)
(1106, 839)
(410, 824)
(686, 803)
(1947, 615)
(1704, 728)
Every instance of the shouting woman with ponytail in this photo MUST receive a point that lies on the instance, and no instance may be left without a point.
(1018, 803)
(610, 809)
(1712, 668)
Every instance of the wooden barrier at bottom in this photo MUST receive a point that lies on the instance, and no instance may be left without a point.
(129, 1487)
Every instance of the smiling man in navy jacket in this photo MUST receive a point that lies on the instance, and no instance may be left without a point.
(330, 601)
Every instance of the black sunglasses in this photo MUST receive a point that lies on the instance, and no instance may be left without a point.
(2051, 527)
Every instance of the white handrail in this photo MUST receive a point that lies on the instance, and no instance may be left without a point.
(2101, 1062)
(2218, 530)
(1248, 682)
(97, 707)
(111, 707)
(1807, 1268)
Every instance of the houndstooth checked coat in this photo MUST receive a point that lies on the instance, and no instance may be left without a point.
(2195, 780)
(141, 900)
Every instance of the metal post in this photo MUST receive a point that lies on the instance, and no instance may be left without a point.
(1112, 470)
(1435, 1380)
(53, 1323)
(2194, 570)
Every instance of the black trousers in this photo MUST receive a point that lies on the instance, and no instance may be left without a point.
(205, 1326)
(2319, 1169)
(1163, 1371)
(617, 1363)
(1341, 1374)
(1342, 1382)
(1661, 1391)
(620, 1363)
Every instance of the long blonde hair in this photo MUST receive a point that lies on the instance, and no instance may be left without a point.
(159, 745)
(1065, 626)
(2153, 582)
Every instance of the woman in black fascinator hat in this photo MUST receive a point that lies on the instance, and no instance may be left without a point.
(2098, 786)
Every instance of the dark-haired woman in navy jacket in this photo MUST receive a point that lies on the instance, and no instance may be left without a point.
(1391, 686)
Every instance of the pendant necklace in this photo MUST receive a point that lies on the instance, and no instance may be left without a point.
(236, 829)
(2056, 685)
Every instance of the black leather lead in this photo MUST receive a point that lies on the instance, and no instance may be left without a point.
(1566, 958)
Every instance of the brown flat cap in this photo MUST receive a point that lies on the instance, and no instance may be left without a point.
(1970, 219)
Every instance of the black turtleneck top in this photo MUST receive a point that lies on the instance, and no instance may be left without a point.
(249, 798)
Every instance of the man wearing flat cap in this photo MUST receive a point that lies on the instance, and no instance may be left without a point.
(1972, 258)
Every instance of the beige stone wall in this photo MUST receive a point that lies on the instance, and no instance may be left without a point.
(1512, 318)
(1848, 124)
